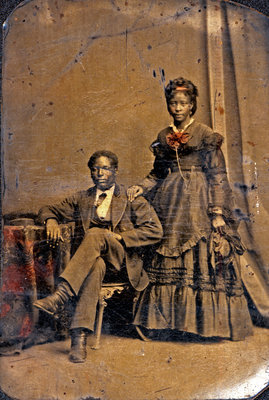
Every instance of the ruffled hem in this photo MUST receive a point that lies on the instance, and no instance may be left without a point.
(206, 313)
(167, 251)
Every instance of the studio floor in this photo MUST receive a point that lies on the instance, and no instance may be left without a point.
(127, 368)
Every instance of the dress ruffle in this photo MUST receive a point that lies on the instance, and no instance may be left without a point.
(166, 251)
(206, 313)
(199, 292)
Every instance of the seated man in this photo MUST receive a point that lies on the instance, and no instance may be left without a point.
(114, 229)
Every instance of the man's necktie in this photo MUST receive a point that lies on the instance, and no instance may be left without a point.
(99, 202)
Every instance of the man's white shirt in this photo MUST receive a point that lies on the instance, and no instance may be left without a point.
(102, 210)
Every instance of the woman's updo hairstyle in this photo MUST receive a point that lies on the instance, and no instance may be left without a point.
(187, 87)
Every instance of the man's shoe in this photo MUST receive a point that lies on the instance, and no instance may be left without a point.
(52, 303)
(78, 352)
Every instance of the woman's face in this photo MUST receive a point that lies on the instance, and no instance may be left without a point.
(180, 107)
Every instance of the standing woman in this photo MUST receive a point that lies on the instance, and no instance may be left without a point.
(195, 284)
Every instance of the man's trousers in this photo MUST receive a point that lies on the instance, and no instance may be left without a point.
(86, 270)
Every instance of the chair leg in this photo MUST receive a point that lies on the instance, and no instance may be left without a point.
(106, 293)
(141, 334)
(102, 305)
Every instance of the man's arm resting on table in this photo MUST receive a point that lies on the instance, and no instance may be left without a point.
(53, 230)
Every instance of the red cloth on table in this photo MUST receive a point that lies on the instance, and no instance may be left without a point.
(29, 269)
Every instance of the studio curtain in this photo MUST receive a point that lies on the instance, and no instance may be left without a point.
(238, 60)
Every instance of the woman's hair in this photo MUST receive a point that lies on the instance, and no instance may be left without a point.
(187, 87)
(104, 153)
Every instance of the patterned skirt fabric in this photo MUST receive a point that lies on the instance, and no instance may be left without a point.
(198, 292)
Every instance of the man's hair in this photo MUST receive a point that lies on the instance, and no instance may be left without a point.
(190, 90)
(104, 153)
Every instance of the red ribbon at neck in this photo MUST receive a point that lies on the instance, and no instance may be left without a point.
(176, 139)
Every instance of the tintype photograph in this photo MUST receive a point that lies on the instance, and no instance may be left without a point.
(135, 195)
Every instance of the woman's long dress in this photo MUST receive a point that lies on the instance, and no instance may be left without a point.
(195, 284)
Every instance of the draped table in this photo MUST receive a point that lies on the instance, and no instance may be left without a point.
(30, 267)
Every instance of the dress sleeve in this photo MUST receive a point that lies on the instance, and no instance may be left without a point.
(220, 194)
(160, 168)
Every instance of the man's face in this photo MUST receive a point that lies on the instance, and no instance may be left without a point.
(103, 174)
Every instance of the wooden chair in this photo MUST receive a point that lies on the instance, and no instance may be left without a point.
(106, 292)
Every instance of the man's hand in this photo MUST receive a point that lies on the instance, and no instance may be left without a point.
(115, 236)
(53, 231)
(218, 223)
(133, 192)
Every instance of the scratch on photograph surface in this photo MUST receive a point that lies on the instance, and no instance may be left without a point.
(82, 153)
(21, 359)
(162, 75)
(140, 56)
(163, 43)
(161, 390)
(36, 114)
(17, 180)
(92, 38)
(143, 14)
(256, 184)
(126, 53)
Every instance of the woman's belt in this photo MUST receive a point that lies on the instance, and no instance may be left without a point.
(187, 168)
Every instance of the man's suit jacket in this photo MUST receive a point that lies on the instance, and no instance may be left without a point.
(136, 222)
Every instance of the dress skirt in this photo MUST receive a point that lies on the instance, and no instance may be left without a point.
(200, 300)
(195, 281)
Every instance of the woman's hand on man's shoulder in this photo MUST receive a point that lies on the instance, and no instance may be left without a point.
(133, 192)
